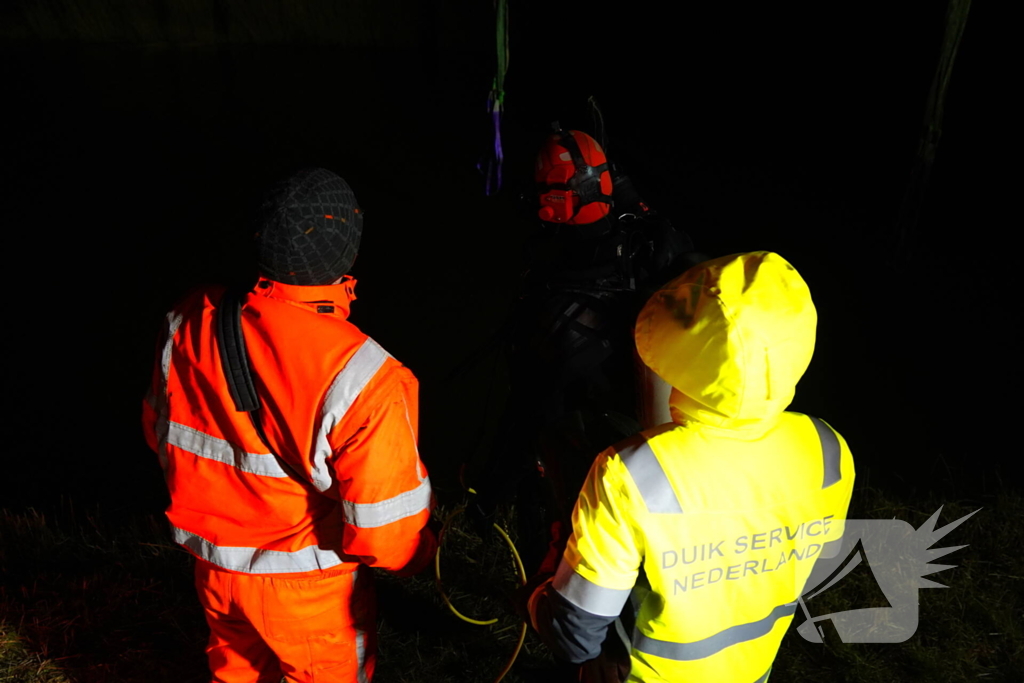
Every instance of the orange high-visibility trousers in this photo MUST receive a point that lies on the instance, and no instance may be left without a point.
(307, 628)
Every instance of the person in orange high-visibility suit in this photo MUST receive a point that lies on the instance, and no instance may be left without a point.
(285, 507)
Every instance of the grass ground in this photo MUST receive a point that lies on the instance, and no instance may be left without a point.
(94, 599)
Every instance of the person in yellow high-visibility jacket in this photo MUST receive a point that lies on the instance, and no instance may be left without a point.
(713, 522)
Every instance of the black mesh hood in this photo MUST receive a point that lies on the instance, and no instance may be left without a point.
(308, 229)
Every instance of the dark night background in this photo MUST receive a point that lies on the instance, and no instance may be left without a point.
(135, 143)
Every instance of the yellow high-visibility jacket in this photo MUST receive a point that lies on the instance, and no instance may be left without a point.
(712, 522)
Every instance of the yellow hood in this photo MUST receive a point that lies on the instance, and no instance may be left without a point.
(732, 336)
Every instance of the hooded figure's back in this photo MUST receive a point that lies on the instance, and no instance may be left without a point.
(718, 517)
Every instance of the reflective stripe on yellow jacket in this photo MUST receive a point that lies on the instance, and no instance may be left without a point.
(713, 522)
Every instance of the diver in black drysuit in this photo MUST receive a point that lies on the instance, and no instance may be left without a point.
(570, 352)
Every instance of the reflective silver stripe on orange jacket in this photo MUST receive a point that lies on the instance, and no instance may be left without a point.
(650, 478)
(213, 448)
(831, 453)
(687, 652)
(361, 635)
(366, 515)
(162, 409)
(361, 656)
(344, 390)
(257, 560)
(588, 596)
(174, 319)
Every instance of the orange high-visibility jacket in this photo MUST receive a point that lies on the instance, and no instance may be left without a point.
(336, 407)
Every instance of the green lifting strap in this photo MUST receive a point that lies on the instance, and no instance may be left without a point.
(501, 9)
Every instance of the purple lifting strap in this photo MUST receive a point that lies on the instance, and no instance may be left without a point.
(491, 165)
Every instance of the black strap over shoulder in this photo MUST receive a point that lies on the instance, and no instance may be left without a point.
(233, 355)
(235, 361)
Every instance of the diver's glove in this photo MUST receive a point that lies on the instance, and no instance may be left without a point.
(548, 566)
(520, 598)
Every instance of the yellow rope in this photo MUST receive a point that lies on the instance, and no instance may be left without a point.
(480, 622)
